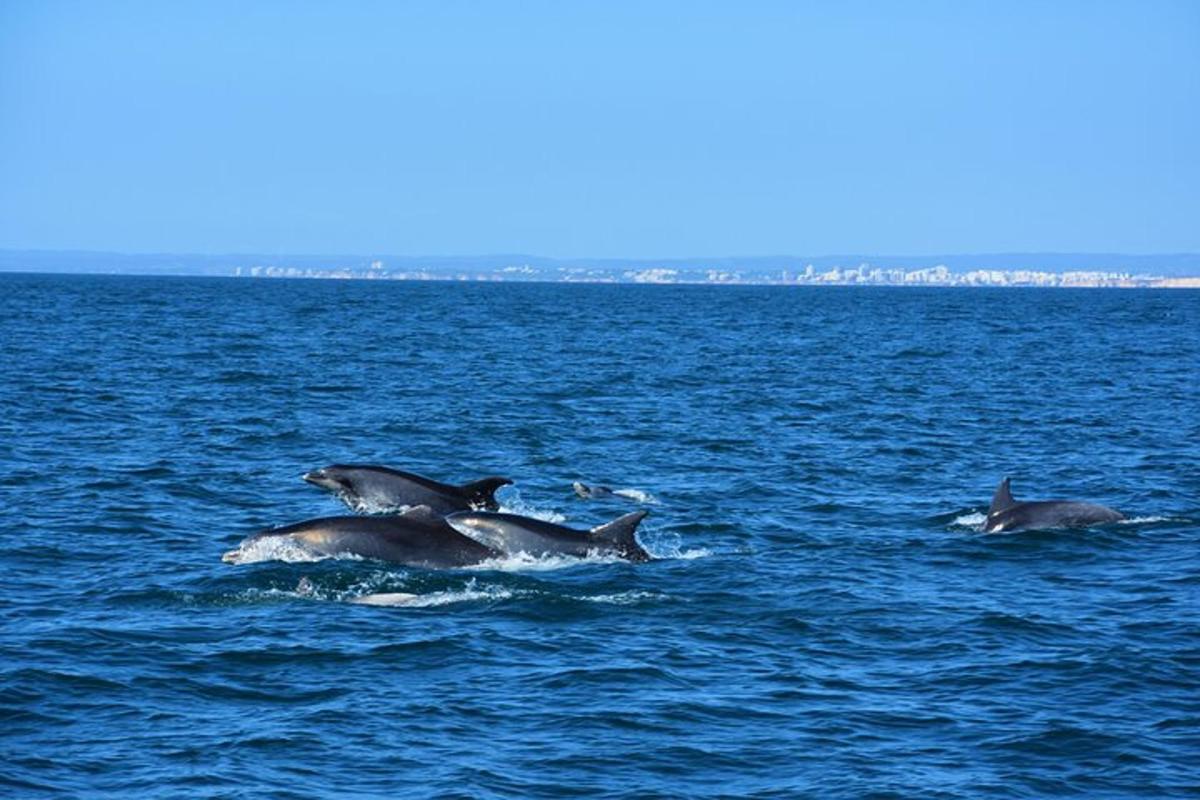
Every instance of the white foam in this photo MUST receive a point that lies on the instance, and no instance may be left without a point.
(361, 506)
(524, 562)
(1146, 520)
(973, 520)
(274, 548)
(661, 545)
(688, 555)
(622, 598)
(637, 495)
(468, 594)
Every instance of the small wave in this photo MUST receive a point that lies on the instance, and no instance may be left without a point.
(1149, 520)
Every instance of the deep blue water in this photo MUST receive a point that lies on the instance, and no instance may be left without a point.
(823, 621)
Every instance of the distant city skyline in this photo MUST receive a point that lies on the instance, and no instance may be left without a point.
(605, 130)
(863, 275)
(1015, 269)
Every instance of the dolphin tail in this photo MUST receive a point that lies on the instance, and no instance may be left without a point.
(619, 534)
(1002, 499)
(482, 493)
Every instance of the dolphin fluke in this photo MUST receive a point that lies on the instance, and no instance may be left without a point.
(1002, 499)
(619, 534)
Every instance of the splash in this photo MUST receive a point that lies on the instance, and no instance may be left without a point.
(524, 562)
(637, 496)
(973, 520)
(275, 548)
(361, 506)
(688, 555)
(662, 545)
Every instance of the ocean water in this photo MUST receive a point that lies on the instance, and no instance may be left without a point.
(822, 619)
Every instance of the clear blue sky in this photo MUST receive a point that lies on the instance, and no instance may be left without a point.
(600, 129)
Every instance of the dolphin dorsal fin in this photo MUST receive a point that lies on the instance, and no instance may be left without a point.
(482, 493)
(1002, 499)
(619, 535)
(620, 530)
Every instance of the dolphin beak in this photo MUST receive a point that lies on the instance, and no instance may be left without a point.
(318, 477)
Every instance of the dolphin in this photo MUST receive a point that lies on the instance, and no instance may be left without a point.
(511, 534)
(585, 492)
(366, 487)
(416, 538)
(1006, 514)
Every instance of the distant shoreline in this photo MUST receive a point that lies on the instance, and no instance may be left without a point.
(1082, 270)
(1133, 282)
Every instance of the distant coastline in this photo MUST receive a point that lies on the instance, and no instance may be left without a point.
(1070, 270)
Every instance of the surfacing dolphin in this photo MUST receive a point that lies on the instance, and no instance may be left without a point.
(367, 487)
(1006, 514)
(512, 534)
(416, 538)
(585, 492)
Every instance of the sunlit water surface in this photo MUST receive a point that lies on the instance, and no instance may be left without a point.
(823, 619)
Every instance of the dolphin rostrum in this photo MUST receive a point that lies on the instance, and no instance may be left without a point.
(416, 538)
(366, 487)
(1006, 514)
(512, 534)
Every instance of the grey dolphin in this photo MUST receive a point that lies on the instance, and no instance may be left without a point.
(584, 491)
(511, 534)
(1006, 514)
(417, 538)
(367, 487)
